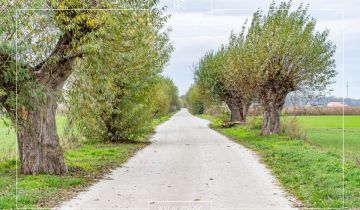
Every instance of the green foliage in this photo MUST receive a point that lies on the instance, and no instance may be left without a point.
(297, 58)
(15, 78)
(115, 93)
(164, 97)
(280, 53)
(195, 100)
(109, 59)
(33, 43)
(210, 74)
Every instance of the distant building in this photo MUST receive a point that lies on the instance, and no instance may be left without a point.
(336, 104)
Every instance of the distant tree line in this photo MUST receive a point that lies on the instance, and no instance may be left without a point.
(279, 53)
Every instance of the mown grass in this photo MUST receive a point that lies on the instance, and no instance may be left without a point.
(313, 175)
(86, 163)
(330, 132)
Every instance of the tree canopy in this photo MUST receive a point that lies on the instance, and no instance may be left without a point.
(280, 52)
(111, 96)
(105, 59)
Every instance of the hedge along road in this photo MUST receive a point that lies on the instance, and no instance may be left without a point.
(187, 161)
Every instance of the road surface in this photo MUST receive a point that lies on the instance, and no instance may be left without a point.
(187, 161)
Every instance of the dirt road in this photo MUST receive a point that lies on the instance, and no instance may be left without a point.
(187, 161)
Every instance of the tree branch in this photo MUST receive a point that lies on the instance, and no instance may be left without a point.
(55, 69)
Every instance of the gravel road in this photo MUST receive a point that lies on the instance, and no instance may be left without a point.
(190, 163)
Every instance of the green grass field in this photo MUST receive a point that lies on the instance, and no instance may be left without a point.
(311, 170)
(329, 133)
(7, 141)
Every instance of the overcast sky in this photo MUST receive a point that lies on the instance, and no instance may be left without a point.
(201, 25)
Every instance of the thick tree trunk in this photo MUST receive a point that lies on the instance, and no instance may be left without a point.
(271, 119)
(39, 146)
(234, 112)
(238, 111)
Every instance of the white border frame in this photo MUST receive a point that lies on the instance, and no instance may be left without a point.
(212, 10)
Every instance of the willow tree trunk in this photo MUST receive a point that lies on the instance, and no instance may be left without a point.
(38, 141)
(234, 112)
(271, 120)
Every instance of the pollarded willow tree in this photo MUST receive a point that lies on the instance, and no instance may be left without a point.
(280, 53)
(114, 94)
(289, 55)
(38, 50)
(239, 68)
(211, 75)
(226, 76)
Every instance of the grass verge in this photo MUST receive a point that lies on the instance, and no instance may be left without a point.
(160, 120)
(86, 164)
(312, 175)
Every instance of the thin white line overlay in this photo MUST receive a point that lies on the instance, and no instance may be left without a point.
(211, 10)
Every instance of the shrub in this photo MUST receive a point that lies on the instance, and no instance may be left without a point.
(194, 100)
(292, 128)
(254, 122)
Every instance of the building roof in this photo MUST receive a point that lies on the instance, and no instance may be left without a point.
(336, 104)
